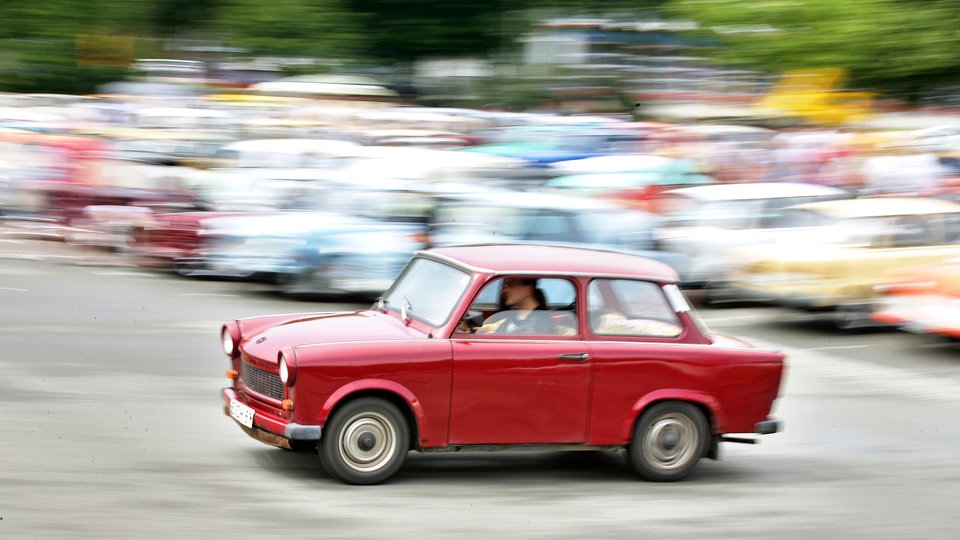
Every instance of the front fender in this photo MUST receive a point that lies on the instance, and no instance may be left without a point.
(344, 392)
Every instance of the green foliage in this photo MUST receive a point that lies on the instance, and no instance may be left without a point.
(40, 53)
(884, 44)
(318, 28)
(403, 30)
(514, 91)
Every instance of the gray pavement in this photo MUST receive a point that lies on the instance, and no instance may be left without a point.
(112, 428)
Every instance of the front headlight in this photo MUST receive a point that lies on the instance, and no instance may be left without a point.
(230, 338)
(284, 370)
(287, 361)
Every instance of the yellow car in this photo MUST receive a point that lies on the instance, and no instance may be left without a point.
(834, 253)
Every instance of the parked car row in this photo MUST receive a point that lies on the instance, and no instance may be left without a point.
(811, 248)
(332, 198)
(358, 249)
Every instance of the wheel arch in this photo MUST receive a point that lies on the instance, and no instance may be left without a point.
(389, 391)
(707, 404)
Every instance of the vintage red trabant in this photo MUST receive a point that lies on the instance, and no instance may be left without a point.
(488, 347)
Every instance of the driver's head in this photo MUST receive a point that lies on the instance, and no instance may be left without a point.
(519, 293)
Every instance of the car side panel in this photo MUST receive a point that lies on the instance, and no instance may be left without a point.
(736, 386)
(519, 390)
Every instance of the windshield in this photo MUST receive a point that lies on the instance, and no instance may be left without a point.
(429, 290)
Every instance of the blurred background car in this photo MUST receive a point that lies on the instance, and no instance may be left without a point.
(706, 222)
(172, 241)
(835, 256)
(265, 221)
(633, 179)
(923, 299)
(361, 260)
(545, 144)
(546, 218)
(308, 252)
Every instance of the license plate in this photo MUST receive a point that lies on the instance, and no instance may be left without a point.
(241, 413)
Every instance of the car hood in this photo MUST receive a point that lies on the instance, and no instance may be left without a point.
(263, 337)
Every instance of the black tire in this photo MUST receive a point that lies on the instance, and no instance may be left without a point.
(293, 284)
(366, 442)
(668, 441)
(852, 317)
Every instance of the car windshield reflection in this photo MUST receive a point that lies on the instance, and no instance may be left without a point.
(429, 290)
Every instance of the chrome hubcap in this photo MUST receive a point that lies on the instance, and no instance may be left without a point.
(368, 442)
(671, 441)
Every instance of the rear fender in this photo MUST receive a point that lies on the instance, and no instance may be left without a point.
(705, 401)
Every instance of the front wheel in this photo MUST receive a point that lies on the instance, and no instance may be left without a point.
(668, 441)
(365, 442)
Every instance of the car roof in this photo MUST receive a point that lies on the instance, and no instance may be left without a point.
(755, 190)
(548, 259)
(881, 206)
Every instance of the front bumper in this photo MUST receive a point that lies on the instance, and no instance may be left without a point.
(271, 430)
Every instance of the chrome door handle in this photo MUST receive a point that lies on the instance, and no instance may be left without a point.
(581, 357)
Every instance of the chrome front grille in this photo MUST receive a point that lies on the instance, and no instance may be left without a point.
(261, 381)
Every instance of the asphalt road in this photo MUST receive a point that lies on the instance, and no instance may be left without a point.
(111, 427)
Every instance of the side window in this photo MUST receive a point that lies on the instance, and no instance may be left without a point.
(524, 305)
(621, 307)
(911, 231)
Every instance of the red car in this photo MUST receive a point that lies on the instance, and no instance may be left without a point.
(923, 299)
(173, 240)
(600, 350)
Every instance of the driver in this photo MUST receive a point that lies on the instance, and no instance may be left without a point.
(523, 300)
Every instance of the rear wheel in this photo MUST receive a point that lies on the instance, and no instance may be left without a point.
(366, 442)
(668, 441)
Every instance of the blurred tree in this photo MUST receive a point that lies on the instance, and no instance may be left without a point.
(66, 45)
(177, 17)
(887, 45)
(405, 30)
(895, 46)
(306, 28)
(626, 8)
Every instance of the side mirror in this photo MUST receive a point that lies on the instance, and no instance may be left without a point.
(471, 321)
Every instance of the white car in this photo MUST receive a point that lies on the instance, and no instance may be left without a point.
(705, 223)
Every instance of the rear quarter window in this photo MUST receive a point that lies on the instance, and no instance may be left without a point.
(622, 307)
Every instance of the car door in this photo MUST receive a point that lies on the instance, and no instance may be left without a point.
(634, 334)
(522, 388)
